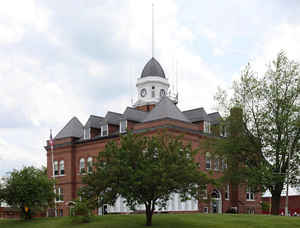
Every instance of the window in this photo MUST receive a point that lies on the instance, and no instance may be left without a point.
(205, 210)
(123, 126)
(59, 194)
(249, 194)
(82, 165)
(206, 127)
(217, 164)
(104, 130)
(55, 168)
(224, 164)
(227, 192)
(62, 167)
(61, 212)
(86, 133)
(153, 91)
(207, 161)
(90, 164)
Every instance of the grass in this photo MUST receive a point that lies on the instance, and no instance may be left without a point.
(163, 220)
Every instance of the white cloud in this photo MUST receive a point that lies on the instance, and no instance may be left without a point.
(61, 59)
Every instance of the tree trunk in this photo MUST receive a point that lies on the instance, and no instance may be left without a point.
(148, 214)
(275, 203)
(276, 195)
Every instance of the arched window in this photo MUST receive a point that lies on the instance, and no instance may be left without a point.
(207, 161)
(90, 164)
(62, 167)
(82, 165)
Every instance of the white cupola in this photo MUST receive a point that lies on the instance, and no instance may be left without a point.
(152, 85)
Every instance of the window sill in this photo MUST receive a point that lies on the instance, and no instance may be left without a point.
(59, 175)
(59, 201)
(250, 200)
(227, 199)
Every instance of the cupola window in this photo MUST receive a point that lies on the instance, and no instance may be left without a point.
(153, 91)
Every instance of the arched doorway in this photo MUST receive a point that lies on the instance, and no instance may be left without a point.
(216, 201)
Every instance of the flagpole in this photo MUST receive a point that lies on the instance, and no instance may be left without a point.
(53, 172)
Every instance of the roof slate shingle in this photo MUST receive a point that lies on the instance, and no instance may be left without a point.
(134, 114)
(94, 122)
(165, 109)
(195, 115)
(215, 117)
(73, 128)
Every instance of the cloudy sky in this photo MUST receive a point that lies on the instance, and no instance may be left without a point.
(60, 59)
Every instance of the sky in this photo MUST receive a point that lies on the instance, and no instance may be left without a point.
(60, 59)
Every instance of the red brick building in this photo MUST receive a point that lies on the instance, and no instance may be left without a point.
(76, 146)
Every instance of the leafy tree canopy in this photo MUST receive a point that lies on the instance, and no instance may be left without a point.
(263, 123)
(28, 189)
(145, 170)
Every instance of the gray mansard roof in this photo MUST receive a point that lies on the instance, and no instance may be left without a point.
(94, 122)
(165, 109)
(112, 118)
(134, 114)
(215, 117)
(153, 68)
(74, 128)
(195, 115)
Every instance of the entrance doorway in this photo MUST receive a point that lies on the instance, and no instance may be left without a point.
(216, 202)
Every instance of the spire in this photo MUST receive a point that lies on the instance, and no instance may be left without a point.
(152, 30)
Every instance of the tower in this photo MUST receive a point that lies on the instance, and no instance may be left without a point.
(151, 86)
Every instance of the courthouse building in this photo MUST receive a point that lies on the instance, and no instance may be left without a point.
(76, 147)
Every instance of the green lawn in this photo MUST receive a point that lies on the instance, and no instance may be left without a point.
(163, 220)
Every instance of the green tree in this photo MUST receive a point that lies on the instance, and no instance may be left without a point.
(28, 189)
(263, 127)
(144, 171)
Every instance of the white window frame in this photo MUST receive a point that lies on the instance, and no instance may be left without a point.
(90, 164)
(55, 167)
(217, 164)
(250, 196)
(227, 192)
(60, 194)
(207, 160)
(102, 130)
(86, 133)
(62, 167)
(206, 127)
(82, 166)
(205, 210)
(121, 126)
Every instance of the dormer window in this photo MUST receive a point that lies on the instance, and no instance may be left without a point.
(104, 130)
(206, 127)
(86, 133)
(123, 126)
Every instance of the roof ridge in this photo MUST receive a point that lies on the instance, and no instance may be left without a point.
(212, 113)
(135, 109)
(113, 112)
(194, 109)
(96, 116)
